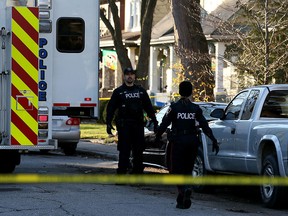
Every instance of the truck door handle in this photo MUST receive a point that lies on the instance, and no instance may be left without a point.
(233, 130)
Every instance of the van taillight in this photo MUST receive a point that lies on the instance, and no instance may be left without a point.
(43, 118)
(73, 121)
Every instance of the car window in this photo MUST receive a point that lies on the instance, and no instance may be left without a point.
(207, 111)
(234, 108)
(161, 114)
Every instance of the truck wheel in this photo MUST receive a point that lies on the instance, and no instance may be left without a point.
(200, 171)
(8, 160)
(271, 195)
(69, 148)
(44, 151)
(7, 168)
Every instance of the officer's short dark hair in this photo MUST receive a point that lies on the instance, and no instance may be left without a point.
(129, 70)
(185, 89)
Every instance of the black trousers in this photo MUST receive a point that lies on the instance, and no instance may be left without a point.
(130, 145)
(182, 154)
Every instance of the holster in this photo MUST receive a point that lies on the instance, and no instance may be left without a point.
(120, 123)
(169, 135)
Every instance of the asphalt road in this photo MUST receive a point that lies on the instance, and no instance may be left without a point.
(110, 199)
(234, 200)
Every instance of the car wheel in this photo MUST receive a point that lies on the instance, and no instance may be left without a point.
(271, 195)
(131, 162)
(167, 156)
(199, 170)
(69, 148)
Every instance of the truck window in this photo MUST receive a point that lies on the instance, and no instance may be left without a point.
(234, 108)
(276, 105)
(249, 105)
(70, 35)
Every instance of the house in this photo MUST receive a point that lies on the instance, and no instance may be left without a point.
(162, 70)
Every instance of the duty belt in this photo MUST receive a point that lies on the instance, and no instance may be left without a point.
(184, 132)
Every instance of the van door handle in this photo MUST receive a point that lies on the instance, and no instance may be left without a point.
(233, 130)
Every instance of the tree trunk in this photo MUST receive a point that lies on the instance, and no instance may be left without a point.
(192, 47)
(116, 35)
(147, 11)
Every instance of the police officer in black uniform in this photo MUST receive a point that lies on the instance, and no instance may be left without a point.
(130, 100)
(183, 139)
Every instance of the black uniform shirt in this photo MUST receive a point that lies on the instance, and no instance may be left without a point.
(183, 115)
(130, 101)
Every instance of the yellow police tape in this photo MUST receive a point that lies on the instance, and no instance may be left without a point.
(149, 179)
(158, 96)
(103, 99)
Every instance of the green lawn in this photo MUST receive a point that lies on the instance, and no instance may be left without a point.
(95, 131)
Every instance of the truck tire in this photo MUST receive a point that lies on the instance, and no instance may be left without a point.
(200, 171)
(44, 151)
(8, 160)
(7, 168)
(272, 196)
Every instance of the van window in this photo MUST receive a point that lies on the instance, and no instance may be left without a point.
(70, 35)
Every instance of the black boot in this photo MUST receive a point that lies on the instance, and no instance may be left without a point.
(121, 171)
(180, 201)
(187, 198)
(184, 199)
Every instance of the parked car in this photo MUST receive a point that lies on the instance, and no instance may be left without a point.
(156, 155)
(67, 131)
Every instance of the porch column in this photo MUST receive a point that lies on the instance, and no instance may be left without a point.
(153, 72)
(219, 91)
(170, 72)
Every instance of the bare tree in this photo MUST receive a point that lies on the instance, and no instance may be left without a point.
(116, 33)
(261, 29)
(147, 11)
(192, 47)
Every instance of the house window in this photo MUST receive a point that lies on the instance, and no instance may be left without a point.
(70, 35)
(135, 14)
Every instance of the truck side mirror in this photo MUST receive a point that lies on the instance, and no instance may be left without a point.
(217, 113)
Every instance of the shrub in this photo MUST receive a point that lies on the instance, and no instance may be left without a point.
(102, 111)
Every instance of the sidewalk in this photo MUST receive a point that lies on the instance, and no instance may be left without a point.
(108, 150)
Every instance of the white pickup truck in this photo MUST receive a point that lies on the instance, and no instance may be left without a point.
(253, 136)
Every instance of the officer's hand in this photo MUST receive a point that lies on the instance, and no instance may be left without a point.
(155, 129)
(109, 129)
(215, 147)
